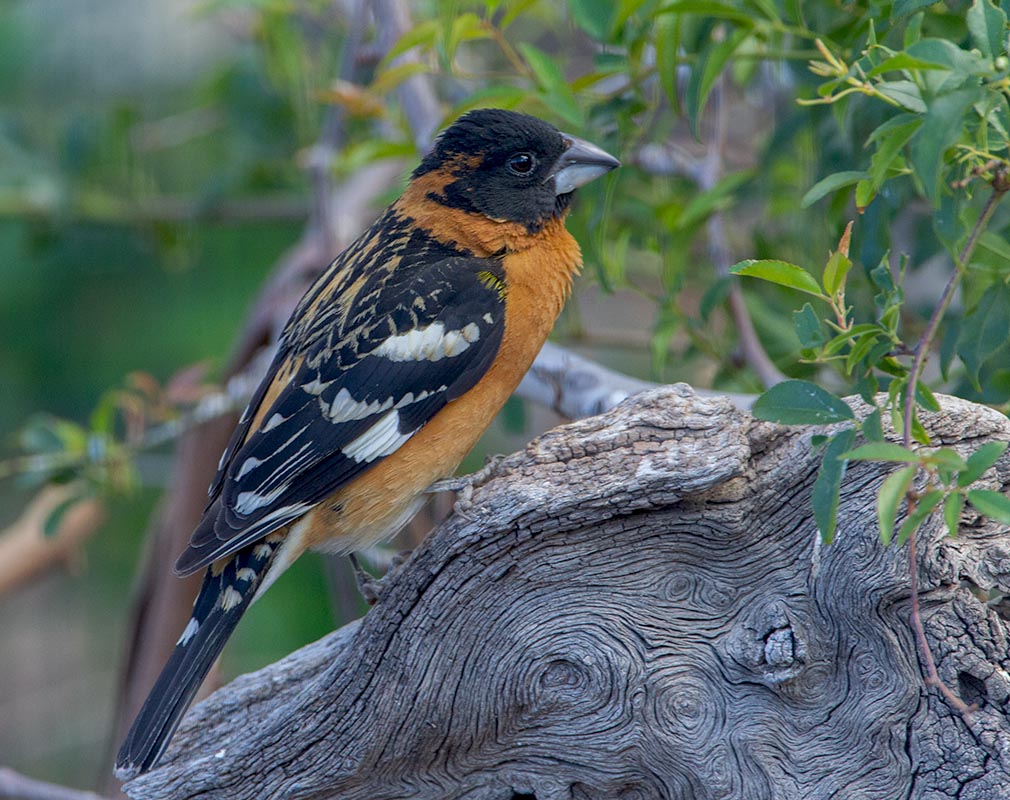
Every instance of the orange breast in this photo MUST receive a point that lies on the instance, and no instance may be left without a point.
(373, 506)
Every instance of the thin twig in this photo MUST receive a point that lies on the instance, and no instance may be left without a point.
(25, 549)
(754, 354)
(926, 340)
(231, 398)
(15, 786)
(1000, 188)
(416, 93)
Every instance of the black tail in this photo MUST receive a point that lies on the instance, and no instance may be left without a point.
(223, 599)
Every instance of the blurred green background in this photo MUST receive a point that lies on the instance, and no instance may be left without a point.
(132, 135)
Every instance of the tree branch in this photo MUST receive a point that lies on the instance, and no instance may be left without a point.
(25, 549)
(611, 613)
(14, 786)
(750, 344)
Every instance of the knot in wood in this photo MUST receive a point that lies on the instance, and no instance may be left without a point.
(686, 708)
(780, 648)
(770, 644)
(562, 676)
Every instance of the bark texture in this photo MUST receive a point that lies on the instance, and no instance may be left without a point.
(637, 606)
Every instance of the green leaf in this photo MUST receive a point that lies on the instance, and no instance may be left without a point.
(711, 10)
(987, 27)
(943, 124)
(889, 149)
(882, 451)
(668, 42)
(780, 272)
(808, 327)
(865, 193)
(557, 94)
(946, 458)
(925, 397)
(903, 8)
(829, 483)
(719, 197)
(53, 520)
(903, 61)
(832, 183)
(835, 270)
(710, 64)
(945, 52)
(624, 11)
(984, 331)
(906, 93)
(465, 28)
(952, 508)
(391, 77)
(992, 504)
(979, 461)
(796, 402)
(997, 245)
(862, 346)
(873, 429)
(714, 296)
(593, 16)
(923, 508)
(892, 492)
(39, 435)
(951, 333)
(515, 10)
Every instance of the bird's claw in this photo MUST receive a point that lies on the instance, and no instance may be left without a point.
(464, 485)
(373, 588)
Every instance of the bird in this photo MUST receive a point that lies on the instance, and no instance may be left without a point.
(389, 369)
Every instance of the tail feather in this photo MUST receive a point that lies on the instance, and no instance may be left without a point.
(223, 599)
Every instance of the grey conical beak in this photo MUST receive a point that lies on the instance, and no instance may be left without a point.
(581, 163)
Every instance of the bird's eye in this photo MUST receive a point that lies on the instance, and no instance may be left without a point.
(522, 163)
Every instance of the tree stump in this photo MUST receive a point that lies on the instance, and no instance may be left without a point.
(638, 606)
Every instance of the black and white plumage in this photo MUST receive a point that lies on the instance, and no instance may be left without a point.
(358, 393)
(390, 368)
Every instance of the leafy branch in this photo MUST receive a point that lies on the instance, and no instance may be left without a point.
(949, 114)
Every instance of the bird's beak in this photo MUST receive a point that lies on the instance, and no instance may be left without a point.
(581, 163)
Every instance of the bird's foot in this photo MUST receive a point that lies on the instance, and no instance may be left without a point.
(464, 485)
(373, 588)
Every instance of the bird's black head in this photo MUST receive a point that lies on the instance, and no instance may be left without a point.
(512, 167)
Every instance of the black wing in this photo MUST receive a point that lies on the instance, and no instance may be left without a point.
(420, 337)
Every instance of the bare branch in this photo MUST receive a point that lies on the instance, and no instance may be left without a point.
(416, 94)
(719, 251)
(14, 786)
(573, 386)
(26, 551)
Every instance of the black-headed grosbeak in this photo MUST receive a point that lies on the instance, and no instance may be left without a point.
(390, 368)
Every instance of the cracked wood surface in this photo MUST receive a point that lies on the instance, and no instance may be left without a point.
(637, 606)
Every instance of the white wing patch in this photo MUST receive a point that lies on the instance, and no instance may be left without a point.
(191, 628)
(315, 386)
(230, 598)
(248, 502)
(273, 422)
(248, 466)
(381, 439)
(345, 408)
(430, 343)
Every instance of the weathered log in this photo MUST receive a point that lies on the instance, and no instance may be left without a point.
(637, 606)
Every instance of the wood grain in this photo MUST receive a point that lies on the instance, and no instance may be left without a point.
(637, 606)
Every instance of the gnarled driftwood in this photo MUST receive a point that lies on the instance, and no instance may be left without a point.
(637, 606)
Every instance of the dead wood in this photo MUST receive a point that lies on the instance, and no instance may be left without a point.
(637, 606)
